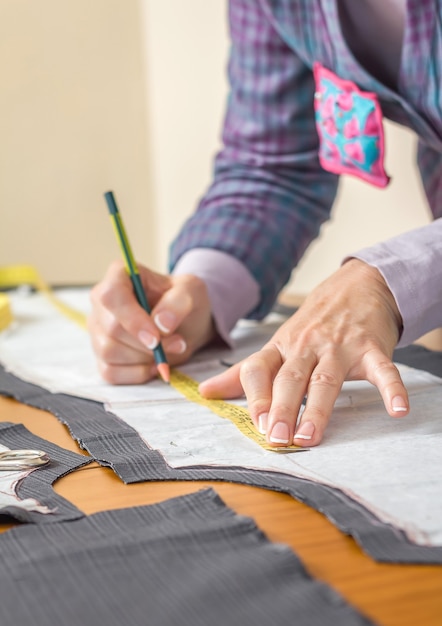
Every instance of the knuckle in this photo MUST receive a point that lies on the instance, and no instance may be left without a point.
(280, 411)
(106, 350)
(106, 296)
(324, 379)
(385, 374)
(393, 388)
(317, 414)
(252, 366)
(385, 367)
(290, 377)
(261, 364)
(112, 327)
(95, 341)
(95, 294)
(109, 373)
(101, 347)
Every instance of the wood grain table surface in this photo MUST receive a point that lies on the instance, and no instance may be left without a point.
(391, 595)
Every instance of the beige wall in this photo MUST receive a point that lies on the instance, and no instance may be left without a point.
(73, 117)
(186, 49)
(129, 95)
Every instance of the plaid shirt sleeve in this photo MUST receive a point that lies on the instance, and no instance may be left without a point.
(269, 195)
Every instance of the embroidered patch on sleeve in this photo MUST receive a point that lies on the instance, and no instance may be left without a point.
(349, 125)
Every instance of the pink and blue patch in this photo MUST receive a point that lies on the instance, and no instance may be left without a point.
(349, 124)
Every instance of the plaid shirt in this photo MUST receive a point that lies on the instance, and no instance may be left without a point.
(269, 194)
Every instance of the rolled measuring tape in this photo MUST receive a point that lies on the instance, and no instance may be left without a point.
(18, 275)
(5, 311)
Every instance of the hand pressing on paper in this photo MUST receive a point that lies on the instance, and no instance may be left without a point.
(346, 329)
(123, 335)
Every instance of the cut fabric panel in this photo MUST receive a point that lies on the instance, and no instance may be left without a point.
(30, 497)
(108, 439)
(189, 560)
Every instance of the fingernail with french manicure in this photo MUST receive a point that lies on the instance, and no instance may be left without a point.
(147, 340)
(179, 346)
(165, 321)
(262, 423)
(398, 405)
(305, 431)
(280, 433)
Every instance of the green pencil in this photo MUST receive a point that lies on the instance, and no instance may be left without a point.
(132, 270)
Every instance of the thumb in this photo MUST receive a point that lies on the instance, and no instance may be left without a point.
(172, 308)
(226, 385)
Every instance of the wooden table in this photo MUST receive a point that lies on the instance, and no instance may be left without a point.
(392, 595)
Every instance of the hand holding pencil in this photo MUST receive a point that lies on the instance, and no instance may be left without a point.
(124, 335)
(132, 270)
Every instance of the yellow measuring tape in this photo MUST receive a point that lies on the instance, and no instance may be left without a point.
(17, 275)
(236, 414)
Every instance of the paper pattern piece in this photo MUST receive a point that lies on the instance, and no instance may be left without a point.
(390, 466)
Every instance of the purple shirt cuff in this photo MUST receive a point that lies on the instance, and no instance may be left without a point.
(233, 291)
(411, 265)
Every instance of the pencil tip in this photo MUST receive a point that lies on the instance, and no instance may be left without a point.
(164, 371)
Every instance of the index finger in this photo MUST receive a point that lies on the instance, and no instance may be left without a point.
(324, 386)
(289, 388)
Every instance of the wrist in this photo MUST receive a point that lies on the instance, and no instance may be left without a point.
(368, 273)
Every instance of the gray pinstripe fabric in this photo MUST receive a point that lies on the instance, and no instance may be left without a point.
(189, 560)
(38, 484)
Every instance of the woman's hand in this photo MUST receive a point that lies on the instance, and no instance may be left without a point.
(123, 335)
(346, 329)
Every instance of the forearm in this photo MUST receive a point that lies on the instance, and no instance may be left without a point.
(269, 195)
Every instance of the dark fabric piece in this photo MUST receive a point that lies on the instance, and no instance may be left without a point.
(189, 560)
(421, 358)
(382, 542)
(110, 441)
(115, 444)
(38, 484)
